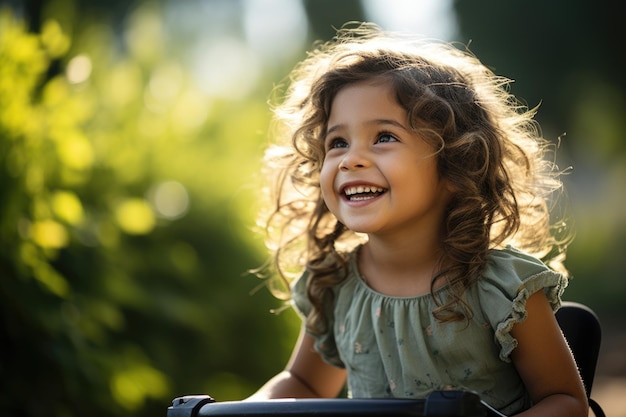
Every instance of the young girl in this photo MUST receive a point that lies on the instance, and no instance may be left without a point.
(414, 190)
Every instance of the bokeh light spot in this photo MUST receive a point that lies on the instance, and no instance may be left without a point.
(67, 207)
(49, 234)
(78, 69)
(133, 385)
(134, 216)
(170, 200)
(75, 151)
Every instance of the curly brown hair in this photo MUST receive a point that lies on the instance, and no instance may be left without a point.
(489, 149)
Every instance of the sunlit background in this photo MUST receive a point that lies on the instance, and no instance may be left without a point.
(130, 139)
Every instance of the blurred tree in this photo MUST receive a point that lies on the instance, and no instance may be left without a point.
(326, 16)
(124, 229)
(544, 46)
(33, 11)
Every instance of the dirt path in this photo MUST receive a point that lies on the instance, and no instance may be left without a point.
(610, 393)
(609, 387)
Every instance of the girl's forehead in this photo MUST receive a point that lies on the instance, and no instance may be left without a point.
(373, 81)
(381, 84)
(368, 103)
(376, 86)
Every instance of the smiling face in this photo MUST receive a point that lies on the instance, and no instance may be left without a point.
(379, 177)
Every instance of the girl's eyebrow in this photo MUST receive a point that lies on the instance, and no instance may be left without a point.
(375, 122)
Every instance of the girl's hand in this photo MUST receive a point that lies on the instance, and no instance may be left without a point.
(306, 376)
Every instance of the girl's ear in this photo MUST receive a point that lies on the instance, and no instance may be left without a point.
(451, 188)
(448, 184)
(448, 189)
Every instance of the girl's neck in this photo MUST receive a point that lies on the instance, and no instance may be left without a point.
(399, 269)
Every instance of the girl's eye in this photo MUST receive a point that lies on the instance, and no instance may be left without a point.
(385, 138)
(336, 143)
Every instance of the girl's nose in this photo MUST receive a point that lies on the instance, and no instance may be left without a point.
(354, 159)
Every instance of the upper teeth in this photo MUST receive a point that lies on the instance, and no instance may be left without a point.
(363, 189)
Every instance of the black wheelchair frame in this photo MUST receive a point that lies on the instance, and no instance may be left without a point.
(437, 404)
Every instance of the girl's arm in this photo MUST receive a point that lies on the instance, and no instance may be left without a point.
(306, 376)
(546, 365)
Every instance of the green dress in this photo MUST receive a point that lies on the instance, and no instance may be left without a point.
(393, 347)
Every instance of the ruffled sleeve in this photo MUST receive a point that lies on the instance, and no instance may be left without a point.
(325, 344)
(509, 280)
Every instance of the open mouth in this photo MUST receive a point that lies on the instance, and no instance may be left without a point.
(363, 192)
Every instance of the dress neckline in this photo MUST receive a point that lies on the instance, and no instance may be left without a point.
(355, 274)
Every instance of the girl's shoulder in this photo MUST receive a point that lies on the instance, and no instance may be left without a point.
(500, 295)
(514, 261)
(512, 272)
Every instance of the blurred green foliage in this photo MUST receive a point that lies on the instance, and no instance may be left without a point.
(125, 228)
